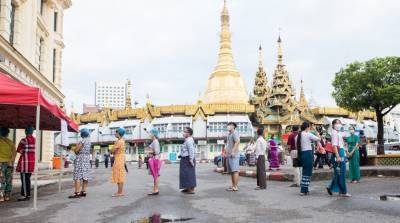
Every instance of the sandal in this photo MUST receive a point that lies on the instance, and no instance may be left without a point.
(153, 193)
(117, 195)
(76, 195)
(83, 194)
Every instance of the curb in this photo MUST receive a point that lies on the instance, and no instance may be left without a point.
(317, 176)
(275, 176)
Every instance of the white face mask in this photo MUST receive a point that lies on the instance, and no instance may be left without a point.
(230, 128)
(338, 127)
(352, 131)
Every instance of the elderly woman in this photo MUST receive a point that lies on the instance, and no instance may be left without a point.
(7, 157)
(187, 167)
(26, 162)
(154, 160)
(82, 165)
(118, 169)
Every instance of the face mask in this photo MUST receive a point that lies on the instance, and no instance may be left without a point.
(230, 128)
(352, 131)
(338, 127)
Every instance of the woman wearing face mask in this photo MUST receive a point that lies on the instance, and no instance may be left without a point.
(154, 160)
(354, 156)
(304, 148)
(118, 170)
(338, 182)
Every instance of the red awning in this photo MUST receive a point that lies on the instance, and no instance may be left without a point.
(18, 107)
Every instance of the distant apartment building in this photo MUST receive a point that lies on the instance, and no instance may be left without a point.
(112, 94)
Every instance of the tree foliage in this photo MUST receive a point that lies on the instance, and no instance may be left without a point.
(371, 85)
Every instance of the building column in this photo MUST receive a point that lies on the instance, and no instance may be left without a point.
(5, 12)
(17, 25)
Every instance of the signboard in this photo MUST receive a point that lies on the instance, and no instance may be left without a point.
(220, 142)
(202, 143)
(96, 147)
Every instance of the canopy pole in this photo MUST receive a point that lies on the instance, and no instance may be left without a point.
(36, 157)
(61, 167)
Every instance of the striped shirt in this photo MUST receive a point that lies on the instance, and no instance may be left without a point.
(26, 162)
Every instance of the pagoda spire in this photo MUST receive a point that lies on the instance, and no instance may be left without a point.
(280, 52)
(281, 98)
(303, 101)
(225, 85)
(261, 90)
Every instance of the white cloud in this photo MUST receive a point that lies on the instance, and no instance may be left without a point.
(169, 48)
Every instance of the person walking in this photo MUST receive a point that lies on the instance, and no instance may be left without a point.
(140, 161)
(91, 160)
(106, 159)
(321, 153)
(260, 148)
(338, 182)
(97, 160)
(304, 148)
(7, 158)
(82, 165)
(354, 156)
(26, 162)
(294, 156)
(187, 166)
(154, 160)
(118, 169)
(232, 155)
(363, 149)
(273, 154)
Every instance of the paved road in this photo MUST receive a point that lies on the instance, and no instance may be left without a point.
(212, 203)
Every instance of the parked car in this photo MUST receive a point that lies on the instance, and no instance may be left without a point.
(218, 160)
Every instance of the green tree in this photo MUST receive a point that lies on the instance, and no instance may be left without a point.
(371, 85)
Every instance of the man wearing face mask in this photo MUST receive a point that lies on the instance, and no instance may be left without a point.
(232, 155)
(187, 166)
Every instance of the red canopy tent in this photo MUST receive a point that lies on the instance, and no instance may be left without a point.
(18, 104)
(22, 105)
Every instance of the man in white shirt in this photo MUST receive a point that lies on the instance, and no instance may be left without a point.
(260, 148)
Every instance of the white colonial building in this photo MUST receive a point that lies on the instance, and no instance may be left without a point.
(31, 45)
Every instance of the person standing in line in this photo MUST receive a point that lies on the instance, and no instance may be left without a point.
(273, 154)
(82, 165)
(321, 153)
(26, 163)
(338, 182)
(329, 150)
(294, 156)
(260, 148)
(187, 166)
(363, 149)
(354, 156)
(7, 158)
(232, 155)
(154, 161)
(118, 171)
(112, 159)
(106, 159)
(304, 148)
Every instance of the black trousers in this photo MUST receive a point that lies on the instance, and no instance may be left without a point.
(106, 163)
(261, 177)
(26, 184)
(363, 156)
(319, 158)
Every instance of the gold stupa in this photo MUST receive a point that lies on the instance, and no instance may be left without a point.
(225, 85)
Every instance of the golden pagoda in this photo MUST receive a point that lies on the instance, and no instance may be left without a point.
(225, 85)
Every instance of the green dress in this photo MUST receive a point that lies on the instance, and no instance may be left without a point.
(354, 161)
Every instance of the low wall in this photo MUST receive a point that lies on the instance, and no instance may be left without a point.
(384, 160)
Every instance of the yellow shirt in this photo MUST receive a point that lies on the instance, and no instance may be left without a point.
(6, 149)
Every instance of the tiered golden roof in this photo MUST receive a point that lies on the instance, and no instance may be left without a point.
(261, 89)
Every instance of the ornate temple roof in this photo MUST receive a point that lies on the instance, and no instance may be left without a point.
(261, 89)
(225, 85)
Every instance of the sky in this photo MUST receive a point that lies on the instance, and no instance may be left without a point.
(168, 48)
